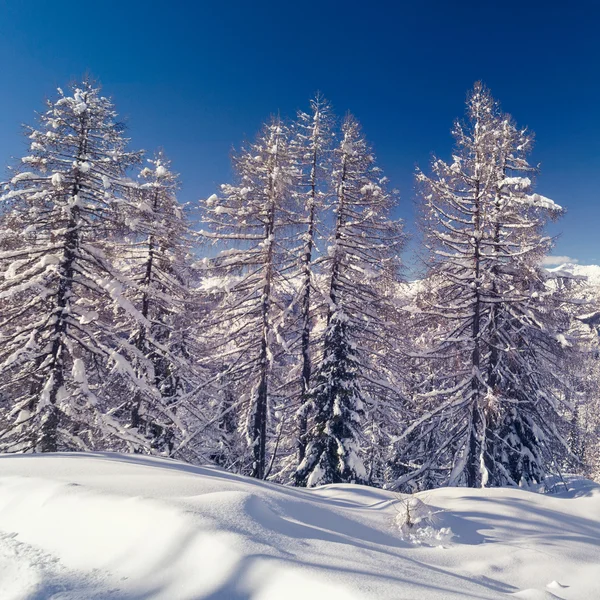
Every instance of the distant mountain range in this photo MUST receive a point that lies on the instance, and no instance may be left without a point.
(591, 272)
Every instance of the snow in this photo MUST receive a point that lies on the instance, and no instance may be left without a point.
(128, 526)
(518, 182)
(83, 167)
(50, 259)
(210, 201)
(562, 340)
(23, 177)
(46, 390)
(589, 272)
(79, 375)
(542, 202)
(556, 585)
(88, 317)
(79, 108)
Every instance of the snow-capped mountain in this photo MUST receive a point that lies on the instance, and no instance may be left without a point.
(590, 272)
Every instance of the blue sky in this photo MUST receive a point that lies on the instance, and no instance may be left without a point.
(197, 78)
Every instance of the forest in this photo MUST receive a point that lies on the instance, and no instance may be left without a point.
(271, 329)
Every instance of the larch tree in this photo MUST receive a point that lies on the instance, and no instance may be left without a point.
(581, 285)
(311, 148)
(489, 410)
(361, 258)
(249, 219)
(155, 258)
(61, 360)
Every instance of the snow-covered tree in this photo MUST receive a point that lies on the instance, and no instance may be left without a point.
(311, 150)
(249, 219)
(332, 454)
(155, 258)
(579, 283)
(62, 364)
(361, 261)
(488, 412)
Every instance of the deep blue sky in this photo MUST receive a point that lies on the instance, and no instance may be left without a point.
(199, 77)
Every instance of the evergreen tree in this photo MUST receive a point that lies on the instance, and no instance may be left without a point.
(333, 451)
(362, 257)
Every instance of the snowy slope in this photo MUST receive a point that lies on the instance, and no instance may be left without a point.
(586, 289)
(112, 526)
(590, 272)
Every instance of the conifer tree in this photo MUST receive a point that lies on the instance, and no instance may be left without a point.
(155, 260)
(250, 219)
(333, 453)
(62, 364)
(311, 149)
(361, 258)
(489, 412)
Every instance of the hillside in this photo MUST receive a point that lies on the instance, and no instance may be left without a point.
(113, 526)
(590, 274)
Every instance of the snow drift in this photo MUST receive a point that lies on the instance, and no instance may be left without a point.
(125, 526)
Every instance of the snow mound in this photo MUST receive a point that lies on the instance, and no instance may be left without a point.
(533, 594)
(76, 526)
(555, 585)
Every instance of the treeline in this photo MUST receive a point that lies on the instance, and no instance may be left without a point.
(274, 334)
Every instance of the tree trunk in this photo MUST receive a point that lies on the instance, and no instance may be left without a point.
(475, 436)
(48, 439)
(306, 362)
(259, 424)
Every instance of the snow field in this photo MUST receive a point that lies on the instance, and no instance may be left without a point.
(126, 526)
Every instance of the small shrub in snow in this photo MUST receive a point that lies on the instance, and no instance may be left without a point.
(418, 523)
